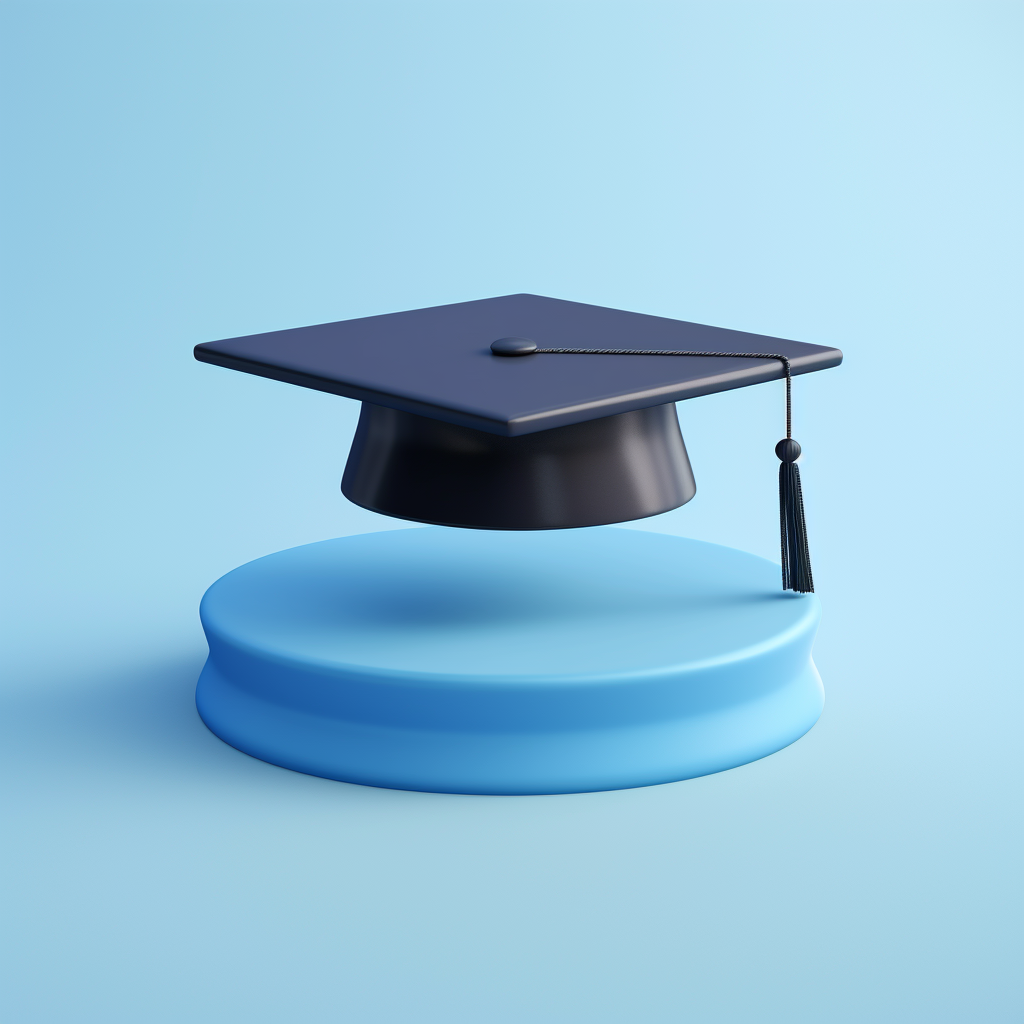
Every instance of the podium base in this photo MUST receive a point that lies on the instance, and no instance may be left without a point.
(508, 663)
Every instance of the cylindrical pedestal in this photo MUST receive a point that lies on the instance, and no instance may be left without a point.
(477, 662)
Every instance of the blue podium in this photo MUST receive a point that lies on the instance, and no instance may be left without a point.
(465, 661)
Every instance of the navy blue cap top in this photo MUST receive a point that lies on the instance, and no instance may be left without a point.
(438, 362)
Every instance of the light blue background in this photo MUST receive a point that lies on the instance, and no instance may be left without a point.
(839, 173)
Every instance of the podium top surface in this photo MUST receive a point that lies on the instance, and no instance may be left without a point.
(496, 607)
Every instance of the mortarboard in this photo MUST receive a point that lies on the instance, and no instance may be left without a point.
(524, 412)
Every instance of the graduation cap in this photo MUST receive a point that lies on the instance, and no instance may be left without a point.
(530, 413)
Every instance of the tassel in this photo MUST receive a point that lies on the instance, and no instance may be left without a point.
(796, 558)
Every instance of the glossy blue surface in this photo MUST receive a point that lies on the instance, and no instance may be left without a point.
(479, 662)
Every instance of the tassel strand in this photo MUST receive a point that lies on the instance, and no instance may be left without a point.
(796, 558)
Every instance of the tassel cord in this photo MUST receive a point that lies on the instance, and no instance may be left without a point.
(786, 365)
